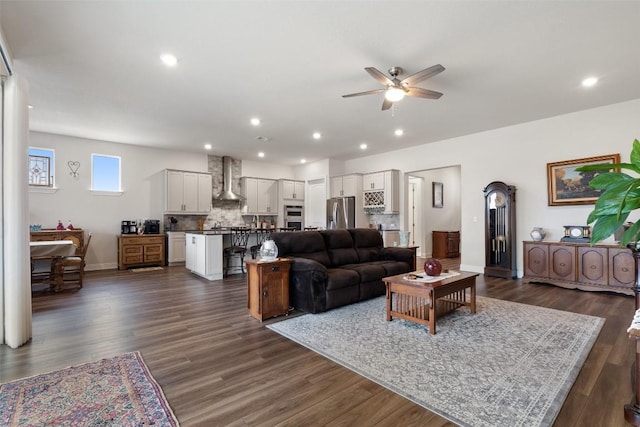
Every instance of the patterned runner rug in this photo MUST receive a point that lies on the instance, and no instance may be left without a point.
(111, 392)
(509, 364)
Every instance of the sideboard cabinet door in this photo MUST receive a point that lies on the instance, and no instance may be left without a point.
(536, 260)
(563, 263)
(592, 265)
(622, 268)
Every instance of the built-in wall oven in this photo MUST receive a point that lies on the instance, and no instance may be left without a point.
(294, 216)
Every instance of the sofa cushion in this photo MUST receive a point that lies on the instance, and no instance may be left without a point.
(368, 271)
(341, 278)
(367, 243)
(303, 244)
(340, 247)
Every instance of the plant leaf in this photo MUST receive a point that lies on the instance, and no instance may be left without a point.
(605, 226)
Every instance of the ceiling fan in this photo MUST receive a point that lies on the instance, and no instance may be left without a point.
(397, 89)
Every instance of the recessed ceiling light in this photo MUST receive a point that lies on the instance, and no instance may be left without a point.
(255, 121)
(169, 60)
(317, 135)
(363, 146)
(261, 154)
(303, 161)
(30, 107)
(398, 132)
(589, 81)
(207, 146)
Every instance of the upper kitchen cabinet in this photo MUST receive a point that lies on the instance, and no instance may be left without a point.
(187, 192)
(346, 185)
(261, 196)
(373, 181)
(381, 191)
(291, 190)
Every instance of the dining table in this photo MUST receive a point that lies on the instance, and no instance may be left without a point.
(51, 251)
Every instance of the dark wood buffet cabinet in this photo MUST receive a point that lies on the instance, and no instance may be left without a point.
(446, 244)
(580, 266)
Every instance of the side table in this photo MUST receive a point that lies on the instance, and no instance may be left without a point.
(268, 287)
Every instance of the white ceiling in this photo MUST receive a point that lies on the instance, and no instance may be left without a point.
(94, 71)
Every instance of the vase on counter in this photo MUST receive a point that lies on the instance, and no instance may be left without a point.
(537, 234)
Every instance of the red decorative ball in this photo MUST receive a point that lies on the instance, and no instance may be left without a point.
(432, 267)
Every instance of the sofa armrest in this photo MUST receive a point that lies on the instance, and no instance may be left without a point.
(307, 285)
(399, 254)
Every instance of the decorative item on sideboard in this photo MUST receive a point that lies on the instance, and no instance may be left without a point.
(538, 234)
(576, 233)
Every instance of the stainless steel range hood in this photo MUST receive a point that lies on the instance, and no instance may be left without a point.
(227, 182)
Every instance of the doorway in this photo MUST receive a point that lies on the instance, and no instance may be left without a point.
(423, 215)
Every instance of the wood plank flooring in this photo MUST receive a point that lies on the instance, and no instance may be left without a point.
(220, 367)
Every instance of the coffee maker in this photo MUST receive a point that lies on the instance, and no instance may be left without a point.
(129, 227)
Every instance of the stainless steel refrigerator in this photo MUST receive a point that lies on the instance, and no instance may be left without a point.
(341, 212)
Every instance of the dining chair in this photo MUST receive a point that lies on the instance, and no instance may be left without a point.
(71, 268)
(262, 234)
(238, 247)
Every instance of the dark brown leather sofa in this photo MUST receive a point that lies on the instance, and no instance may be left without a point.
(333, 268)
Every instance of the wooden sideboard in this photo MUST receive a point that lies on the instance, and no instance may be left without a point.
(579, 266)
(76, 236)
(446, 244)
(140, 250)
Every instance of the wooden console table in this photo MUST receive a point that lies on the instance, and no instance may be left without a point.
(140, 250)
(580, 266)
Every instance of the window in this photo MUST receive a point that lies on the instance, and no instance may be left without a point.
(105, 173)
(41, 167)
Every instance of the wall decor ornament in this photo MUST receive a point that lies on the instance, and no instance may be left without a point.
(74, 165)
(436, 188)
(567, 186)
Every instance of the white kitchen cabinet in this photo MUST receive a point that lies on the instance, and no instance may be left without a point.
(346, 186)
(373, 181)
(176, 247)
(204, 255)
(291, 190)
(382, 197)
(187, 192)
(261, 196)
(205, 192)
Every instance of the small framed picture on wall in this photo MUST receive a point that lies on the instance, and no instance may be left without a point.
(436, 188)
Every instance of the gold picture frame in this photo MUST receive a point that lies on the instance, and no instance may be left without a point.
(566, 186)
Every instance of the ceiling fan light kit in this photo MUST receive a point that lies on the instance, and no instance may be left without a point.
(397, 89)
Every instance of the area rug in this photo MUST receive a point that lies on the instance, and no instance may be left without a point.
(509, 364)
(111, 392)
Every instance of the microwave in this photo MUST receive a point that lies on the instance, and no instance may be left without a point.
(152, 226)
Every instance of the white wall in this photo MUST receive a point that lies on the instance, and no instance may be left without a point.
(518, 155)
(266, 169)
(99, 214)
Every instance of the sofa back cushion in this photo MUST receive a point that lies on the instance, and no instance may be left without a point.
(304, 244)
(367, 243)
(339, 245)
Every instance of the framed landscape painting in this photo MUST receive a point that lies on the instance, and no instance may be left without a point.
(566, 186)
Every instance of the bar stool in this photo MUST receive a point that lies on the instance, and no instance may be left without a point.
(238, 248)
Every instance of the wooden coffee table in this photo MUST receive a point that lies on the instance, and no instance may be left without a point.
(423, 302)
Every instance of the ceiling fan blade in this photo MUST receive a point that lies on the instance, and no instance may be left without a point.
(386, 104)
(369, 92)
(379, 76)
(423, 93)
(422, 75)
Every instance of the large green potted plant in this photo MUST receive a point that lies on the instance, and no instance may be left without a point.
(620, 196)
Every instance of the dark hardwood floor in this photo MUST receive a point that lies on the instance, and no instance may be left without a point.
(220, 367)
